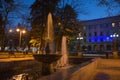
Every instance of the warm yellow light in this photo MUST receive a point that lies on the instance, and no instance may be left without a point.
(10, 30)
(113, 24)
(59, 23)
(17, 30)
(23, 31)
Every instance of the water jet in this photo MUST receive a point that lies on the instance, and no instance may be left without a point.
(50, 56)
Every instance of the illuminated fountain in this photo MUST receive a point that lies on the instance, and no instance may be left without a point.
(63, 61)
(50, 56)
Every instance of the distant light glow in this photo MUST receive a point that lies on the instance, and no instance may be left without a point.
(79, 38)
(10, 30)
(113, 24)
(17, 30)
(114, 35)
(117, 35)
(101, 39)
(23, 31)
(111, 35)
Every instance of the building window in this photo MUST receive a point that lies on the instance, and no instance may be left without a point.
(84, 34)
(95, 33)
(107, 25)
(89, 27)
(113, 24)
(89, 40)
(89, 34)
(107, 33)
(100, 25)
(95, 40)
(1, 6)
(101, 33)
(94, 26)
(84, 28)
(101, 39)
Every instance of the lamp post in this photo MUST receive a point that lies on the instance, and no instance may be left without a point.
(20, 37)
(115, 51)
(79, 38)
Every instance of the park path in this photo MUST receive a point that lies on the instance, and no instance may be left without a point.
(107, 69)
(5, 57)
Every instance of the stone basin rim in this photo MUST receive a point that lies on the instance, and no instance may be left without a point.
(47, 58)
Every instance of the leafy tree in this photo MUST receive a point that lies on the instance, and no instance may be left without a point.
(67, 24)
(64, 18)
(111, 5)
(12, 9)
(39, 12)
(1, 29)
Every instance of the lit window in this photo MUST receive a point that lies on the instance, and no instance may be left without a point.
(113, 24)
(89, 40)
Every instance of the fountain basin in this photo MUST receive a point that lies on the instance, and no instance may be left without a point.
(46, 58)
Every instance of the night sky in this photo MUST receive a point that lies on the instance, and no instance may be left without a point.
(93, 11)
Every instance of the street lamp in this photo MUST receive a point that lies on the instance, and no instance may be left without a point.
(79, 38)
(10, 30)
(115, 52)
(20, 37)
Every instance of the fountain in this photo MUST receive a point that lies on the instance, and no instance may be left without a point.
(50, 56)
(63, 61)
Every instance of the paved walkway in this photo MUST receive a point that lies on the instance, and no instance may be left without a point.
(107, 69)
(5, 57)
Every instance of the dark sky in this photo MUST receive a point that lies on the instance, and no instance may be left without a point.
(93, 10)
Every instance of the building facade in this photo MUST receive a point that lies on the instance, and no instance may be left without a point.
(100, 34)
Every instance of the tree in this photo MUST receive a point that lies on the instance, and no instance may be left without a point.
(12, 9)
(111, 5)
(67, 24)
(64, 17)
(1, 29)
(39, 12)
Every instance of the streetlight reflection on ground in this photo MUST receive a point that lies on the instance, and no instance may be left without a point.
(115, 51)
(79, 38)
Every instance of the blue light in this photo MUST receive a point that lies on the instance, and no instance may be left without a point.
(98, 38)
(92, 39)
(104, 38)
(101, 39)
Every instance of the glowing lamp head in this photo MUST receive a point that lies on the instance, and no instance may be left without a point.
(10, 30)
(23, 31)
(17, 30)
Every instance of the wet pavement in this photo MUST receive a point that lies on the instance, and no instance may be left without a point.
(107, 69)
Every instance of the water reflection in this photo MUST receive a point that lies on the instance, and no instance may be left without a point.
(27, 76)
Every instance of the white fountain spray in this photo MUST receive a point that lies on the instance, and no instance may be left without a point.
(50, 34)
(63, 62)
